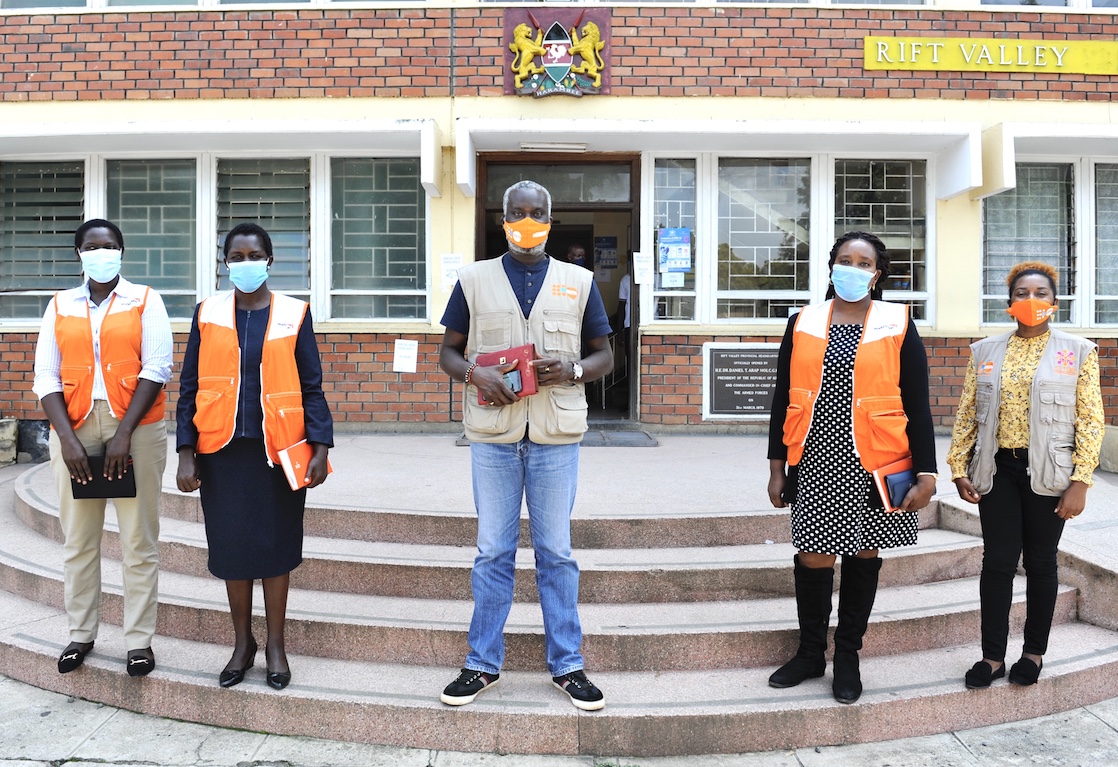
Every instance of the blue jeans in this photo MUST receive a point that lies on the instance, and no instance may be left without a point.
(503, 475)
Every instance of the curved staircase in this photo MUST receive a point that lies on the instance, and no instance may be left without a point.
(685, 614)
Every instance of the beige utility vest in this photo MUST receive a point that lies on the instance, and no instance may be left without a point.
(556, 415)
(1052, 401)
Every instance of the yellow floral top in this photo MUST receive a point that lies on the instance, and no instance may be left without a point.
(1022, 355)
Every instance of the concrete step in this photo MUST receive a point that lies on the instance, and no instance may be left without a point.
(594, 525)
(425, 571)
(647, 713)
(617, 637)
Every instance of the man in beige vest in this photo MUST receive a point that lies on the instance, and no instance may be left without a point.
(525, 448)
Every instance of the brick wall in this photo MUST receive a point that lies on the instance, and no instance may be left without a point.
(672, 386)
(357, 378)
(440, 52)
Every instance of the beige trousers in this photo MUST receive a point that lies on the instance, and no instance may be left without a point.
(137, 518)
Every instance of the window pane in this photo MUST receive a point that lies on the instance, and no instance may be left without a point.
(42, 4)
(275, 194)
(381, 307)
(675, 207)
(41, 204)
(763, 232)
(154, 204)
(1033, 222)
(1106, 242)
(378, 235)
(887, 198)
(1025, 2)
(568, 184)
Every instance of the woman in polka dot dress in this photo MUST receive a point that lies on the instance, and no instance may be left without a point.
(851, 396)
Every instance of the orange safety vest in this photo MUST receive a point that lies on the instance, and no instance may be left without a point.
(121, 341)
(878, 412)
(219, 374)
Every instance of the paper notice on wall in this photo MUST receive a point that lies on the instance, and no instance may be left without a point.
(405, 355)
(642, 268)
(451, 263)
(671, 280)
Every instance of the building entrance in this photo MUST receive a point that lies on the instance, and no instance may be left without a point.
(594, 210)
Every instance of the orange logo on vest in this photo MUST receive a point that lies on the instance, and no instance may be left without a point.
(565, 290)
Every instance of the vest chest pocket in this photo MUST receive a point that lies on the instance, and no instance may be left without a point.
(562, 333)
(983, 397)
(798, 417)
(1057, 403)
(286, 411)
(494, 331)
(127, 372)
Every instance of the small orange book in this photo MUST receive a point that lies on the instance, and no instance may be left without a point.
(521, 380)
(295, 460)
(894, 481)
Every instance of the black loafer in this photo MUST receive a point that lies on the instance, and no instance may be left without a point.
(277, 680)
(1024, 672)
(139, 662)
(234, 676)
(73, 656)
(981, 675)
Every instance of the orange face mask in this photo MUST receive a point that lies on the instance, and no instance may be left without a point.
(1031, 312)
(527, 233)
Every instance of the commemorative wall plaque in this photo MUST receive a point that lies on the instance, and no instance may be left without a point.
(738, 380)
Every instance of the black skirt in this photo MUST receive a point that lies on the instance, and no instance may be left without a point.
(254, 522)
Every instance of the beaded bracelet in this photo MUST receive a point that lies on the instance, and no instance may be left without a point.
(470, 372)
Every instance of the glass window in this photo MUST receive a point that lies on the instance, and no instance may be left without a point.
(277, 195)
(674, 238)
(568, 184)
(889, 198)
(1033, 222)
(1106, 244)
(41, 204)
(764, 211)
(154, 204)
(379, 249)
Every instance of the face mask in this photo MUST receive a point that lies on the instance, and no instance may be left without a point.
(101, 265)
(851, 284)
(1031, 312)
(248, 275)
(527, 233)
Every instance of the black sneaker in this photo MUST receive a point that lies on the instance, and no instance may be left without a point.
(466, 687)
(584, 695)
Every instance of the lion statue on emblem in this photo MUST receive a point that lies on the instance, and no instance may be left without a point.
(589, 47)
(526, 50)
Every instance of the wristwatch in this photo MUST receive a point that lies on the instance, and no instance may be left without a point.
(578, 371)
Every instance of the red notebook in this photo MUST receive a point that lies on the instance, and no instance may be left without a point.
(295, 460)
(522, 380)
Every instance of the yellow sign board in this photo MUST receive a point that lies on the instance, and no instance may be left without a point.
(979, 54)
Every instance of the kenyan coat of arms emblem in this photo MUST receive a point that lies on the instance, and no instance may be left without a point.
(564, 55)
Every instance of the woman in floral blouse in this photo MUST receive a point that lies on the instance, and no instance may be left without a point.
(1025, 444)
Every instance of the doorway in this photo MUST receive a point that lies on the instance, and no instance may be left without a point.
(594, 205)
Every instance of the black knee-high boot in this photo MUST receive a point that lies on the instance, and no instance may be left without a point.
(857, 590)
(813, 608)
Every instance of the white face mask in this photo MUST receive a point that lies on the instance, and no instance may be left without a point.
(101, 265)
(247, 276)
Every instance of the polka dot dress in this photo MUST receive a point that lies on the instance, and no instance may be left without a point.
(831, 514)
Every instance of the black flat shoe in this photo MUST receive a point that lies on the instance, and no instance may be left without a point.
(981, 675)
(1024, 672)
(234, 676)
(277, 680)
(141, 662)
(73, 656)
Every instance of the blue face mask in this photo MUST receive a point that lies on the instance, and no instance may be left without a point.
(248, 275)
(101, 265)
(851, 284)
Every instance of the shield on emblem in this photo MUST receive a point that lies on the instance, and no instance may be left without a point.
(557, 60)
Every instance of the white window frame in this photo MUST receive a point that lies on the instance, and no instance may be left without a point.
(821, 227)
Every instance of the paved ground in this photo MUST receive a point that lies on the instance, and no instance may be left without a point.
(39, 728)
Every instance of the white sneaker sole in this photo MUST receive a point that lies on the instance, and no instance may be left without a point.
(582, 705)
(462, 700)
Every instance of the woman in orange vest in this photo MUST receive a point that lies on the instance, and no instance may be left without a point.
(103, 356)
(851, 397)
(251, 386)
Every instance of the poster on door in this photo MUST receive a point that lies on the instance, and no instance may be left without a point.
(674, 246)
